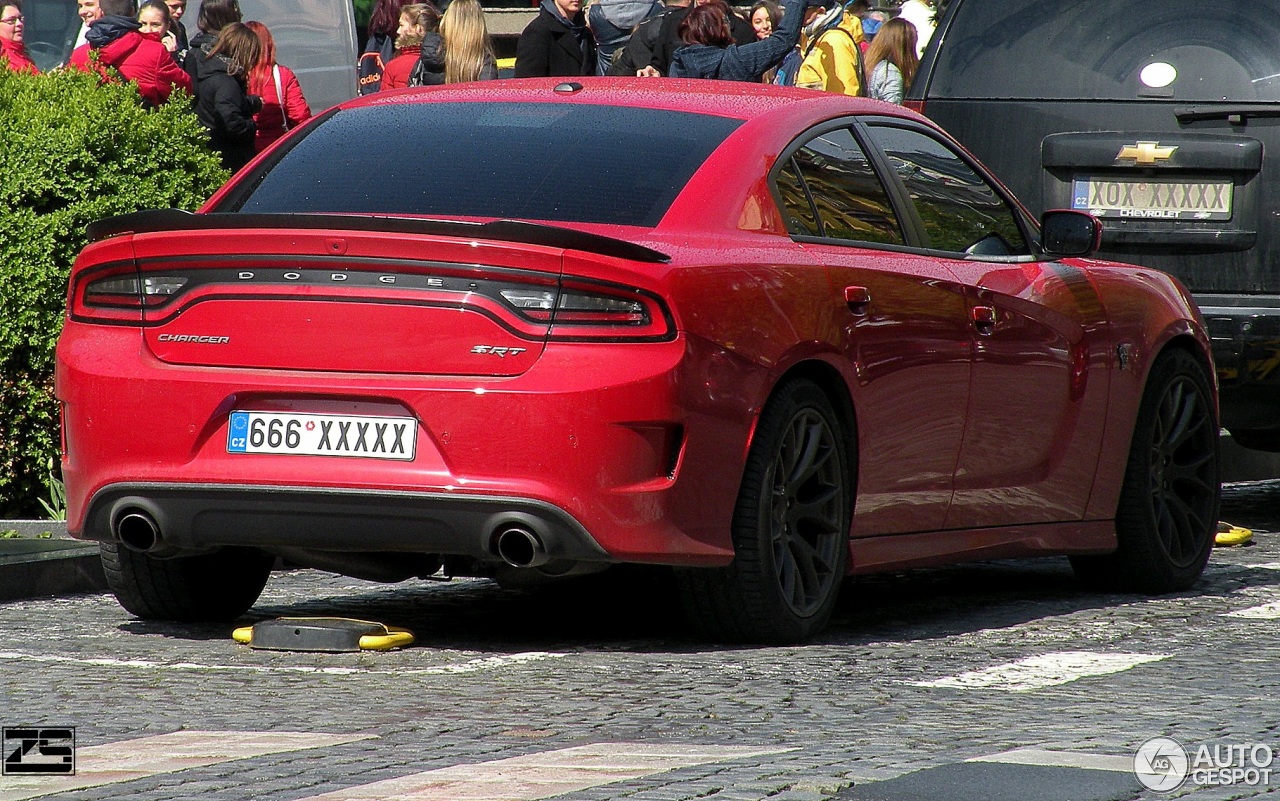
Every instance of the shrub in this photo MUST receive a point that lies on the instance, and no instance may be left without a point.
(72, 152)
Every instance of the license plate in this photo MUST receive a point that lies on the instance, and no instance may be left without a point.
(1156, 200)
(322, 435)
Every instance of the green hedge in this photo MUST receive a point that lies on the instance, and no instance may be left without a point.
(71, 152)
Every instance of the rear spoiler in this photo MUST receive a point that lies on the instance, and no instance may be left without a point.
(499, 230)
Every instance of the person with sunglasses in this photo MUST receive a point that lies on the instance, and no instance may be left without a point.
(12, 49)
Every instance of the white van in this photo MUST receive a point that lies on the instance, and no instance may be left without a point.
(314, 38)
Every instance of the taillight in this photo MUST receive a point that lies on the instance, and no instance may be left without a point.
(106, 294)
(915, 105)
(132, 291)
(586, 311)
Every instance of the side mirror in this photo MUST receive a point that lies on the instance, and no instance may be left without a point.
(1070, 233)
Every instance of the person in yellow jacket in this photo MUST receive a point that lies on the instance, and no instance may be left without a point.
(834, 57)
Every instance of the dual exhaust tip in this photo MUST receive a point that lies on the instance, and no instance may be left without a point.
(517, 545)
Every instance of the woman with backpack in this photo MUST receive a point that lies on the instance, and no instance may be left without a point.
(283, 105)
(380, 46)
(710, 52)
(892, 61)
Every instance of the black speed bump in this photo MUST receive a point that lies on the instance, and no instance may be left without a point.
(326, 634)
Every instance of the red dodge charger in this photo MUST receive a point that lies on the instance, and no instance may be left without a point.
(529, 329)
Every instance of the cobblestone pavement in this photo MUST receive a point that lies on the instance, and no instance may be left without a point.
(913, 674)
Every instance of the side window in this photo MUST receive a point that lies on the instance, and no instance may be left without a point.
(851, 202)
(796, 209)
(962, 213)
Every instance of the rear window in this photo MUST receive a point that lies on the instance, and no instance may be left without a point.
(1185, 50)
(540, 161)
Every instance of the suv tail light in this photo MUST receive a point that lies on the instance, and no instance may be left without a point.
(915, 105)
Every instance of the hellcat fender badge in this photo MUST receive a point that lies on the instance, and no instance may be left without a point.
(1124, 354)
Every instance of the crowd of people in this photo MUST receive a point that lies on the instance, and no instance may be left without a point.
(848, 47)
(243, 98)
(246, 100)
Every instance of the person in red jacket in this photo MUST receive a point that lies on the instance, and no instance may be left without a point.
(114, 42)
(416, 21)
(157, 25)
(283, 106)
(12, 50)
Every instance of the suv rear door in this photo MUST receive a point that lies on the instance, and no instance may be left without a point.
(1158, 118)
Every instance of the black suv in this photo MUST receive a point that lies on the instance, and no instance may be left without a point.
(1161, 118)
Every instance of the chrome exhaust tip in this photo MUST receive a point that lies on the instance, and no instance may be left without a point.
(138, 531)
(520, 547)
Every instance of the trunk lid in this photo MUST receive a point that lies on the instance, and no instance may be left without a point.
(344, 301)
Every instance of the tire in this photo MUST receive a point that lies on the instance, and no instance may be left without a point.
(1168, 512)
(790, 528)
(217, 586)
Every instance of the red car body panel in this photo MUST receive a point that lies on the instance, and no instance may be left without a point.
(967, 447)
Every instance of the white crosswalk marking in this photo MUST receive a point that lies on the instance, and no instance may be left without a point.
(470, 666)
(544, 775)
(1037, 672)
(1269, 611)
(127, 760)
(1060, 759)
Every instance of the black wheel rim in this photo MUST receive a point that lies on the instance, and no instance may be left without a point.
(1184, 472)
(805, 512)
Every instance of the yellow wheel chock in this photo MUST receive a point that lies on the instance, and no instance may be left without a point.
(1229, 535)
(325, 634)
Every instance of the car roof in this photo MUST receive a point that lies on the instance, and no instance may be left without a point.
(739, 100)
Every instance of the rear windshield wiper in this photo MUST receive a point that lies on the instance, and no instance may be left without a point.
(1235, 114)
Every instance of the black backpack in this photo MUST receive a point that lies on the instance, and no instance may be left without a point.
(369, 72)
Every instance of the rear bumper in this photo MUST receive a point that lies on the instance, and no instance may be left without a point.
(617, 452)
(1245, 334)
(194, 517)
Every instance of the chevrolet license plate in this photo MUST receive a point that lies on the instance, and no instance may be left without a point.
(1125, 198)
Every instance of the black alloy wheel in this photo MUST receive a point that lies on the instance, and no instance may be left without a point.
(1167, 517)
(790, 528)
(804, 512)
(1183, 476)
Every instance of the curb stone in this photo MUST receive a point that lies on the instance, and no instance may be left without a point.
(42, 560)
